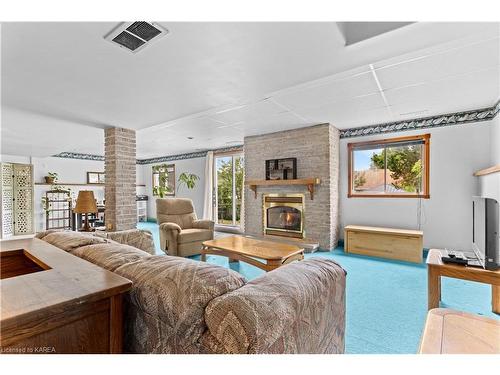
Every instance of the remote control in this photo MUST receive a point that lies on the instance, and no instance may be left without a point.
(455, 260)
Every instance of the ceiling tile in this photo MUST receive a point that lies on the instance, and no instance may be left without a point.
(455, 94)
(435, 67)
(248, 112)
(329, 92)
(343, 109)
(274, 123)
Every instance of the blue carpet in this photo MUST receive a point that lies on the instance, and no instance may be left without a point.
(386, 300)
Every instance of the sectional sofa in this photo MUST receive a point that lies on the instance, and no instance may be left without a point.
(179, 305)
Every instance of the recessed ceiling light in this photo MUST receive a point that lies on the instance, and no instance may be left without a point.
(190, 137)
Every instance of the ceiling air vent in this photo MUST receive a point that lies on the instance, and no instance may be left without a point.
(135, 36)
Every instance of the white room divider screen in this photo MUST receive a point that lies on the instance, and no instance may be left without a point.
(17, 199)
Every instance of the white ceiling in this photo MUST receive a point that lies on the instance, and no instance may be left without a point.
(62, 83)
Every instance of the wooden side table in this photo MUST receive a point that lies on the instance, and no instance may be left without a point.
(436, 269)
(455, 332)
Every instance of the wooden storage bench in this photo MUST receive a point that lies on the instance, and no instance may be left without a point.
(400, 244)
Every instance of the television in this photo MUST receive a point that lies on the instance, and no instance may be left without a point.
(485, 232)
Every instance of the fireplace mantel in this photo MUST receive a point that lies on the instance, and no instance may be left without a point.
(309, 182)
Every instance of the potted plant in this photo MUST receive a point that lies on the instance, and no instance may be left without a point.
(51, 177)
(188, 179)
(161, 189)
(45, 204)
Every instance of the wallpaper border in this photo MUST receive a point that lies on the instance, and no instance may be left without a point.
(449, 119)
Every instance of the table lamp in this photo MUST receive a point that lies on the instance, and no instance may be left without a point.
(85, 204)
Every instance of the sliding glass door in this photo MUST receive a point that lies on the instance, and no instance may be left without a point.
(229, 173)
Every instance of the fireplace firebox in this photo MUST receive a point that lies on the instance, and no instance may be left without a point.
(284, 215)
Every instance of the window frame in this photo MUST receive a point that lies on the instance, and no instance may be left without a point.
(426, 138)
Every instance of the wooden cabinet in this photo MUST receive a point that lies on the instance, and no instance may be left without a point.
(54, 302)
(399, 244)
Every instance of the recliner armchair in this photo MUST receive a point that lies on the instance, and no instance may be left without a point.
(181, 233)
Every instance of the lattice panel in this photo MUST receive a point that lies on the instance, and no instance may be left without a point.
(24, 223)
(7, 204)
(23, 176)
(7, 172)
(7, 226)
(24, 200)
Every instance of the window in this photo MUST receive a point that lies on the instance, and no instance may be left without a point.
(396, 167)
(164, 180)
(228, 180)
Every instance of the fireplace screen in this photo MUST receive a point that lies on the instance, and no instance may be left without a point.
(284, 217)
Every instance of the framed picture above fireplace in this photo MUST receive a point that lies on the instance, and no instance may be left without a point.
(281, 169)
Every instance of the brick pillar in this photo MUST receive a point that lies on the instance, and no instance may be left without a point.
(120, 190)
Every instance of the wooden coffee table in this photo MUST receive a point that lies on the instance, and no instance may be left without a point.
(265, 255)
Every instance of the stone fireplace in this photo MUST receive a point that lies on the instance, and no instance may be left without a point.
(268, 210)
(283, 215)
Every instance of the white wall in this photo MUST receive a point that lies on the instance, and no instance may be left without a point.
(490, 184)
(140, 179)
(495, 141)
(196, 166)
(69, 171)
(456, 153)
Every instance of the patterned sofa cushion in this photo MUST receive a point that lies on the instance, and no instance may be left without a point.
(43, 233)
(110, 255)
(166, 306)
(297, 308)
(141, 239)
(69, 241)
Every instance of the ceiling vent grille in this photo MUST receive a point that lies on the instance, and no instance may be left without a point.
(135, 36)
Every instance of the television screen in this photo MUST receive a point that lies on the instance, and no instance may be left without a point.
(485, 229)
(479, 228)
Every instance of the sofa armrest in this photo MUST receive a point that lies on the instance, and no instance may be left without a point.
(203, 224)
(170, 226)
(297, 308)
(168, 237)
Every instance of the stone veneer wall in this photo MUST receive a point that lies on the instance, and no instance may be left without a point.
(317, 151)
(120, 169)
